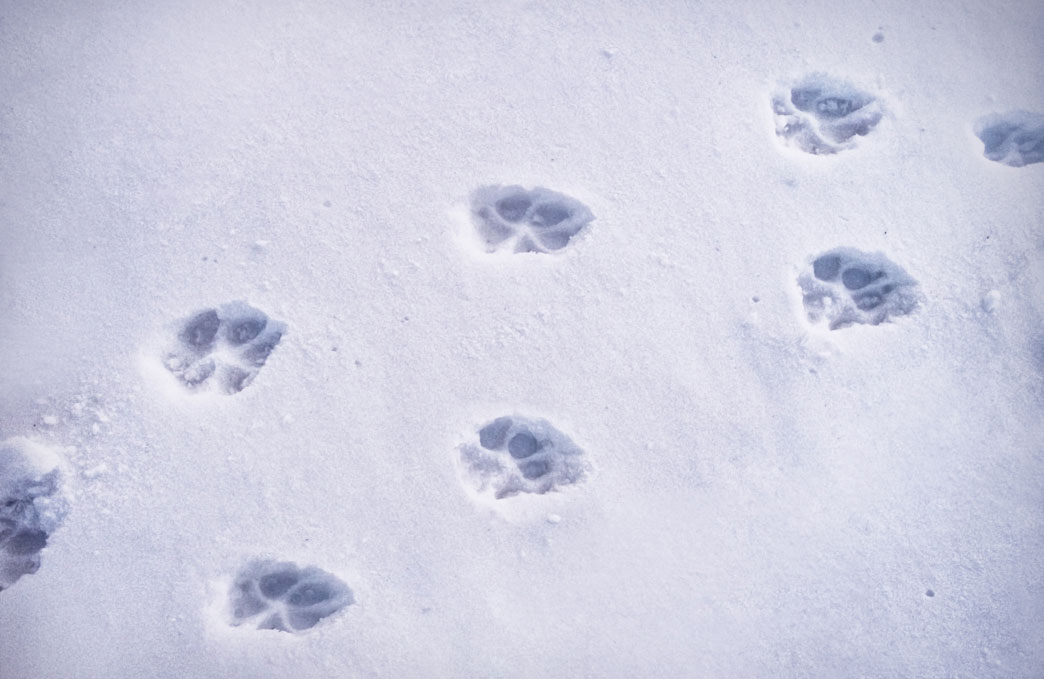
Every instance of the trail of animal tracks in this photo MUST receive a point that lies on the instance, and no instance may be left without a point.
(515, 339)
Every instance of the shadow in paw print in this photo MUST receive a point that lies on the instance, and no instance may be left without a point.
(223, 349)
(1015, 138)
(200, 330)
(514, 219)
(846, 286)
(515, 454)
(31, 506)
(280, 595)
(823, 115)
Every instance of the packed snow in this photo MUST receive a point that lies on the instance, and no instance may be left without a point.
(521, 339)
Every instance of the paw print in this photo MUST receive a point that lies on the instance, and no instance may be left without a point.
(223, 349)
(822, 115)
(279, 595)
(520, 455)
(846, 286)
(1015, 138)
(31, 506)
(512, 219)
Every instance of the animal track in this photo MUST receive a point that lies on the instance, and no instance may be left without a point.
(31, 506)
(280, 595)
(822, 115)
(223, 348)
(1015, 138)
(521, 455)
(510, 218)
(845, 286)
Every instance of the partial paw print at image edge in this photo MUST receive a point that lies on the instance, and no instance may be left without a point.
(223, 349)
(280, 595)
(1015, 138)
(515, 454)
(32, 506)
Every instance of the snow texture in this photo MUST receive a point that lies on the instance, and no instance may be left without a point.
(223, 349)
(280, 595)
(821, 114)
(512, 219)
(845, 286)
(699, 477)
(32, 506)
(516, 454)
(1015, 138)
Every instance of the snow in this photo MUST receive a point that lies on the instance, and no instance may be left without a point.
(1015, 138)
(766, 496)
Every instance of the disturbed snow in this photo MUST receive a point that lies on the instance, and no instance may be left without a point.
(270, 277)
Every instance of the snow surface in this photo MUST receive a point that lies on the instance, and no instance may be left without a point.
(766, 497)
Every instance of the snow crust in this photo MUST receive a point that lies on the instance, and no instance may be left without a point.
(768, 497)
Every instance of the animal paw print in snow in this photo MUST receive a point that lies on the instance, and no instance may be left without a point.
(821, 115)
(223, 348)
(512, 219)
(521, 455)
(1015, 138)
(31, 506)
(279, 595)
(845, 286)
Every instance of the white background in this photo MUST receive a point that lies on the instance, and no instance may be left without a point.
(769, 499)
